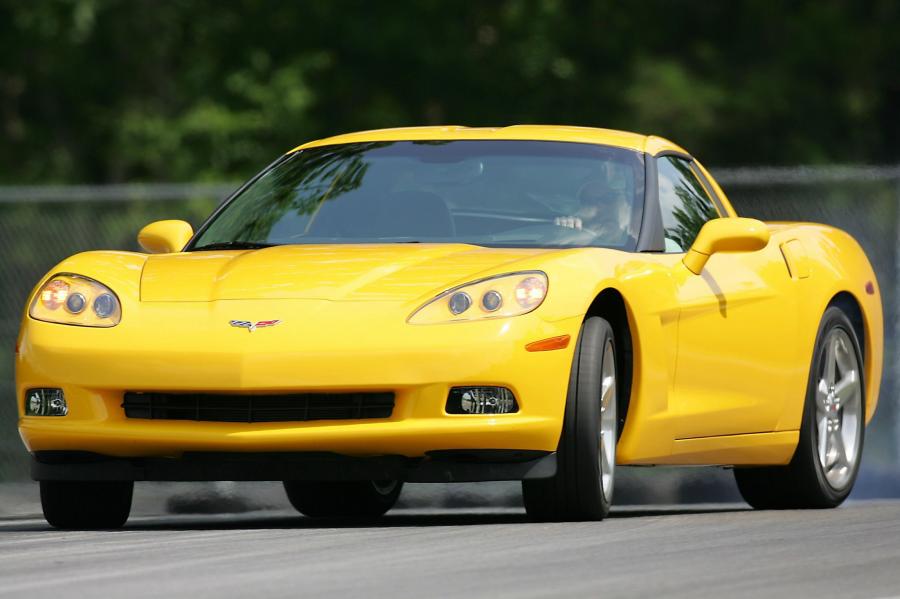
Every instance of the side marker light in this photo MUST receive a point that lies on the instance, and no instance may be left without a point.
(550, 344)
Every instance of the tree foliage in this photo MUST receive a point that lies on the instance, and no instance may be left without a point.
(115, 90)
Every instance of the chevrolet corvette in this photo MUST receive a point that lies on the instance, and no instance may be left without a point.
(444, 304)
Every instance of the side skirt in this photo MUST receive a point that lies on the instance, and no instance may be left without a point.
(754, 449)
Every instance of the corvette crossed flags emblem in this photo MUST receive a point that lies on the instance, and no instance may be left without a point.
(252, 326)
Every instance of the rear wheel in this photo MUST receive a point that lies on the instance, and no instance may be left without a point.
(86, 504)
(826, 462)
(586, 457)
(343, 499)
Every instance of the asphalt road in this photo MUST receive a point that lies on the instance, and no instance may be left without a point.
(718, 550)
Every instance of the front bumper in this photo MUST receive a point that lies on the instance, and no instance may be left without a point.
(319, 346)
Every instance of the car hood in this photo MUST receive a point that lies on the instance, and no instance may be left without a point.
(392, 272)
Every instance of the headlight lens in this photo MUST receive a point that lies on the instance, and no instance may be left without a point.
(78, 300)
(495, 297)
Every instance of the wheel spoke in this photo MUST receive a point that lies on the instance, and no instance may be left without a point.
(607, 390)
(822, 391)
(843, 461)
(847, 389)
(830, 361)
(604, 456)
(838, 467)
(836, 451)
(823, 440)
(842, 356)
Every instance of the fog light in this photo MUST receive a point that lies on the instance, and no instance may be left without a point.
(481, 400)
(34, 404)
(45, 402)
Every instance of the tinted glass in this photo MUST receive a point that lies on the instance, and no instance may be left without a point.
(684, 203)
(494, 193)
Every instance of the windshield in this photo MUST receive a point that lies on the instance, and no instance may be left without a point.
(491, 193)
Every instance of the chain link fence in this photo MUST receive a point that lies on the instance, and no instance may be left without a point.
(40, 226)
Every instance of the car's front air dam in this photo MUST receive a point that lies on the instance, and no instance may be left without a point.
(437, 466)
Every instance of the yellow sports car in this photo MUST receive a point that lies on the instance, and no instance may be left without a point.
(436, 304)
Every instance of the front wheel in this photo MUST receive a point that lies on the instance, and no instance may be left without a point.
(343, 499)
(586, 457)
(826, 462)
(86, 504)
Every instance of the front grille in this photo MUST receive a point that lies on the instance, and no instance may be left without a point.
(297, 407)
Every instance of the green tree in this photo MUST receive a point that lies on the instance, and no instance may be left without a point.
(116, 90)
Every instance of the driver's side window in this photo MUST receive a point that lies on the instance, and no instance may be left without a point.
(684, 203)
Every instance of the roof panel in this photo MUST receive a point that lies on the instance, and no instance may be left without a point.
(609, 137)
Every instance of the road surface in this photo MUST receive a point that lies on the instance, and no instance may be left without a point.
(716, 550)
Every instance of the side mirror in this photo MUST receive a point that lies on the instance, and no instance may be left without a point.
(726, 235)
(165, 236)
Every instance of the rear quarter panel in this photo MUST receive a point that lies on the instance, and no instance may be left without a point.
(834, 263)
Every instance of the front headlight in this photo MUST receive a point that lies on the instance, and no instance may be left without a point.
(78, 300)
(494, 297)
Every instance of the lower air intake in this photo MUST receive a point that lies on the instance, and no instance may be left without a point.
(297, 407)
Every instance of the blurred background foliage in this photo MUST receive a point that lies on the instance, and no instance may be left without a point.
(124, 90)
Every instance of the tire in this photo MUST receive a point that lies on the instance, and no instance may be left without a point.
(826, 462)
(583, 485)
(86, 504)
(344, 499)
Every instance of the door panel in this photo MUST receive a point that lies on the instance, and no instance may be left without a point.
(737, 345)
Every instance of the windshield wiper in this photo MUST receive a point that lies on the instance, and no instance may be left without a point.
(232, 245)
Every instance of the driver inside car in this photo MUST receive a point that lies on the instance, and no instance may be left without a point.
(603, 211)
